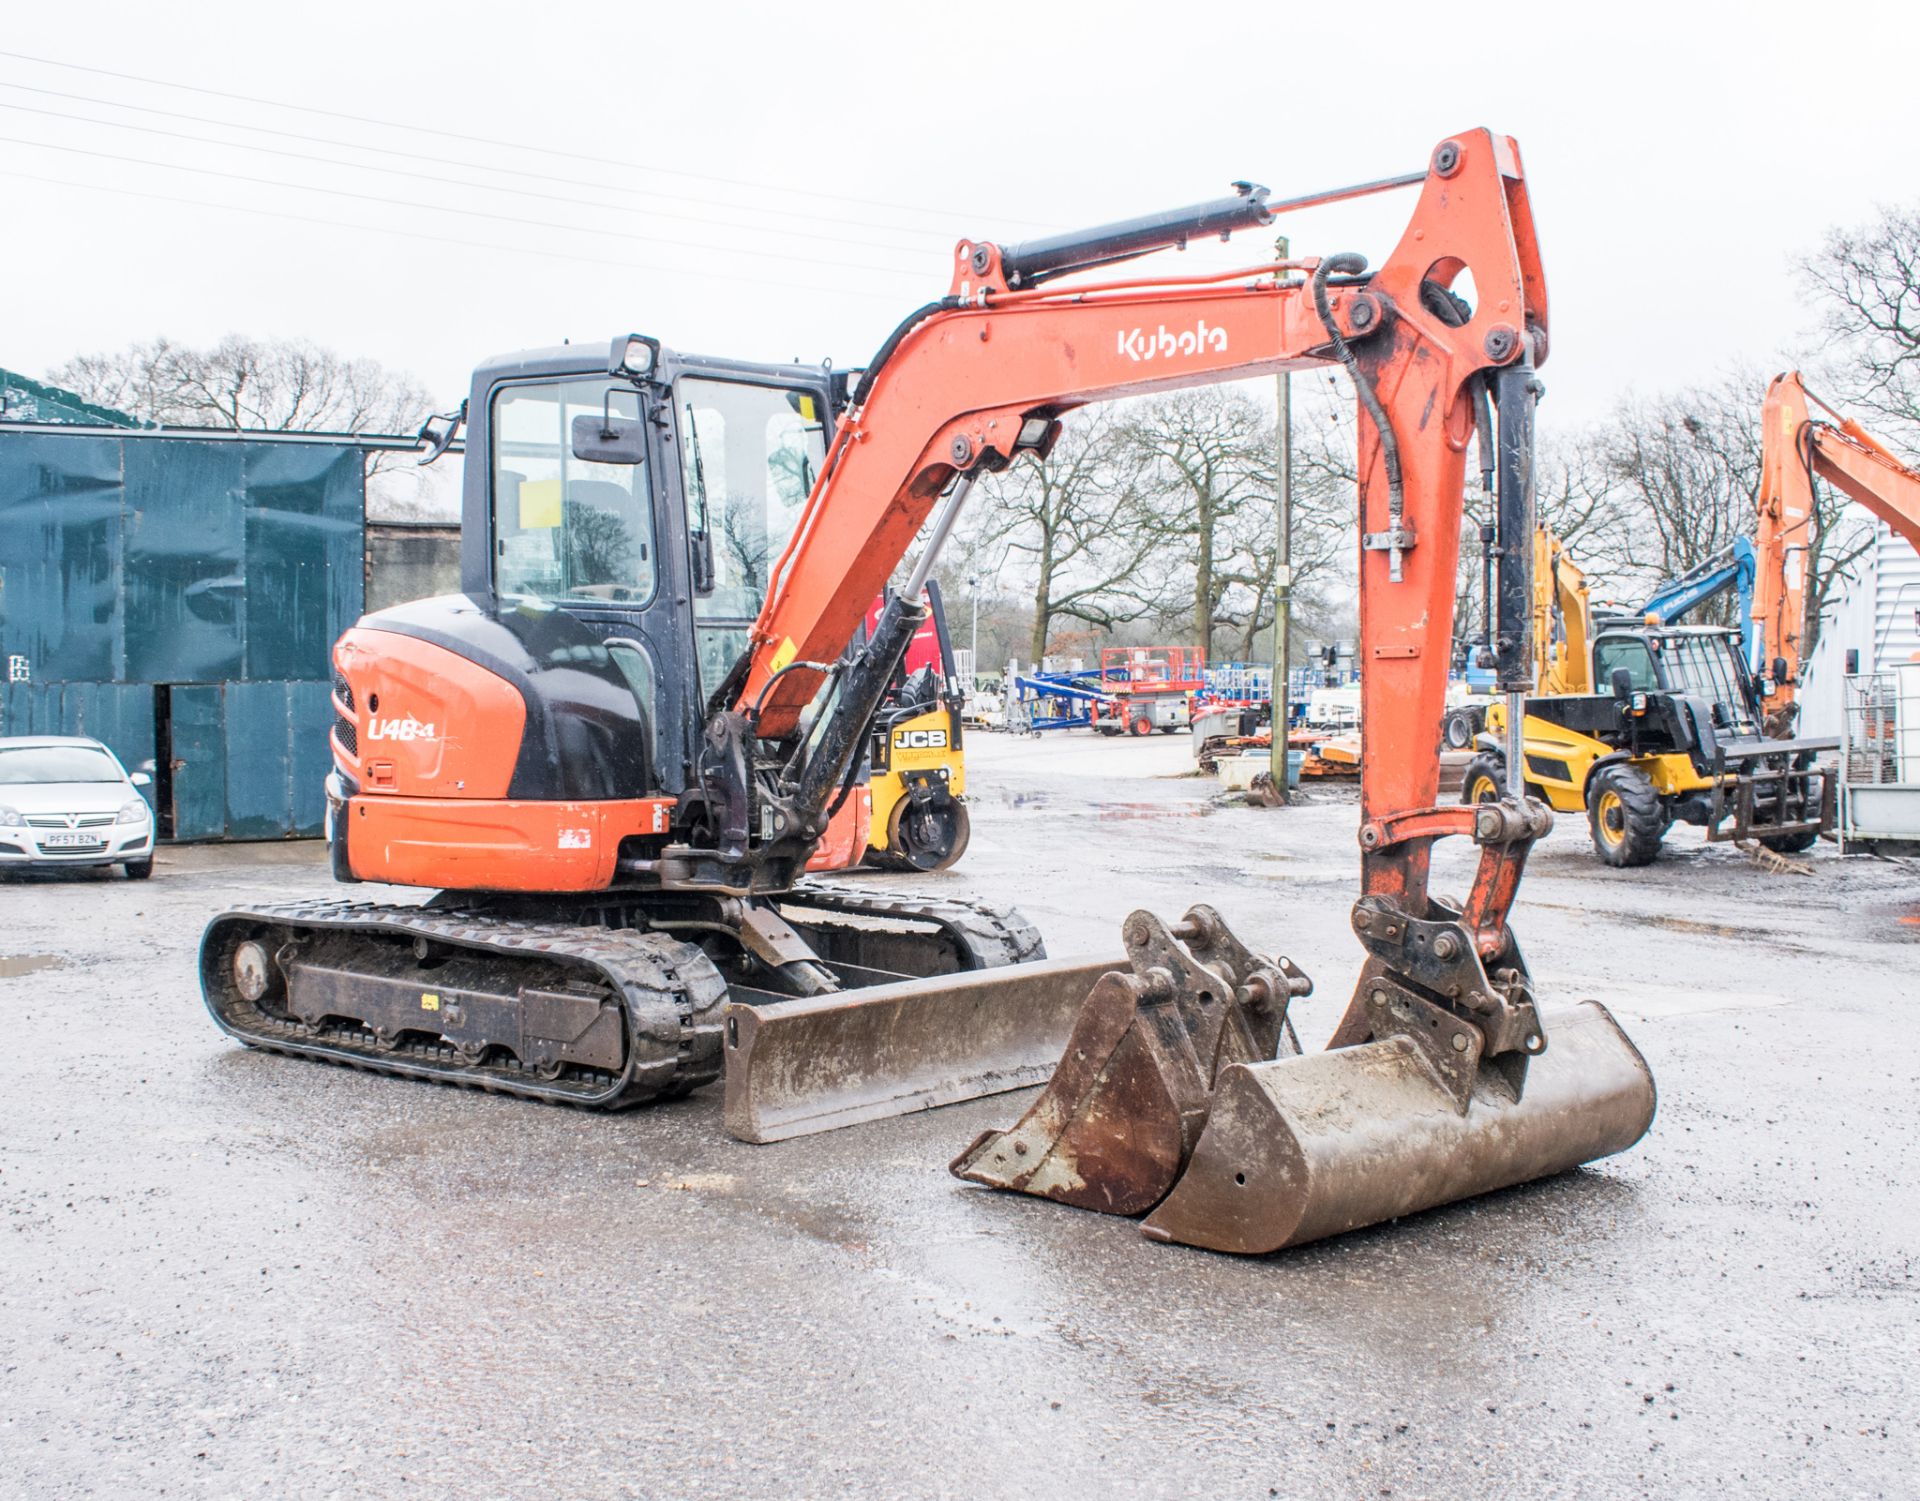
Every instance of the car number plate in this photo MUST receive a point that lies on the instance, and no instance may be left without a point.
(72, 842)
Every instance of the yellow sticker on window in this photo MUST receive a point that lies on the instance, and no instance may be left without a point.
(788, 651)
(429, 1001)
(539, 505)
(806, 408)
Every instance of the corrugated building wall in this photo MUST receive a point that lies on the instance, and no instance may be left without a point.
(177, 598)
(1878, 616)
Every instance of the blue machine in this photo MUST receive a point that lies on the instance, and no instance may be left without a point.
(1733, 569)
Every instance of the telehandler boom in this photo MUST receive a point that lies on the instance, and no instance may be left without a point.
(617, 749)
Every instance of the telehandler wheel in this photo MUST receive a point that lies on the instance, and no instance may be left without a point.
(1626, 816)
(1791, 844)
(1486, 778)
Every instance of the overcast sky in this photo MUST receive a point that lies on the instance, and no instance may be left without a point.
(781, 181)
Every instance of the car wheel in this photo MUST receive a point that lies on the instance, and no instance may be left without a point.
(139, 870)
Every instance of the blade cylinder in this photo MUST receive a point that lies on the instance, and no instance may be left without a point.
(1302, 1148)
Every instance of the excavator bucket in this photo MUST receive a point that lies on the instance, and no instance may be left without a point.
(816, 1063)
(1161, 1111)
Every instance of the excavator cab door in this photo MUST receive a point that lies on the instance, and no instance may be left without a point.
(749, 452)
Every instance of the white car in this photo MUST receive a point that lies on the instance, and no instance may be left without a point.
(66, 800)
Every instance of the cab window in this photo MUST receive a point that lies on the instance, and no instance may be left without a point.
(749, 456)
(565, 530)
(1610, 654)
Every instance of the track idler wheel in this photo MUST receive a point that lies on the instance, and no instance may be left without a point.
(1127, 1104)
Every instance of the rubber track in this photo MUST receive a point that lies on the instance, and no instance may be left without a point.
(673, 996)
(990, 935)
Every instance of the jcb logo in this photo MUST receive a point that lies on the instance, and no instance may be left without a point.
(919, 739)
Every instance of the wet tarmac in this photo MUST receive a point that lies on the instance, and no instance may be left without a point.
(230, 1274)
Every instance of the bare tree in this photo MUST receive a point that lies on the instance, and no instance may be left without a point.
(1678, 479)
(1077, 528)
(268, 385)
(1208, 456)
(1866, 281)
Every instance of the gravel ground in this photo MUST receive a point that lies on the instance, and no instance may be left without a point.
(225, 1273)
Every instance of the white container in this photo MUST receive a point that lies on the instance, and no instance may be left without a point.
(1906, 733)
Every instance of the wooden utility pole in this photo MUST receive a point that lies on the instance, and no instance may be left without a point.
(1283, 568)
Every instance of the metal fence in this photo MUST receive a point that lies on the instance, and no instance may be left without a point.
(1880, 755)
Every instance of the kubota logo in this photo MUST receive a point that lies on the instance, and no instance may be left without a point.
(399, 729)
(1163, 344)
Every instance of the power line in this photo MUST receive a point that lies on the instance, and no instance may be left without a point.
(732, 279)
(447, 161)
(439, 208)
(454, 135)
(441, 179)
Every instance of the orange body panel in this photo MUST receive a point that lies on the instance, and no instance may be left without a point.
(443, 726)
(474, 844)
(845, 843)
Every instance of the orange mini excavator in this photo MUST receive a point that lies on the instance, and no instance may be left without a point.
(614, 752)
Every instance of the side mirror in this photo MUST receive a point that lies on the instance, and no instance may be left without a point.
(141, 779)
(605, 439)
(1622, 684)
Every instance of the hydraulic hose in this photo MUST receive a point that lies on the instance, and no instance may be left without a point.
(1351, 263)
(907, 325)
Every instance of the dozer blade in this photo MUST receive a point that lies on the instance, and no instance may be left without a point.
(796, 1067)
(1130, 1097)
(1303, 1148)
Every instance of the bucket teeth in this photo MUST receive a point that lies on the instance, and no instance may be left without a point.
(1130, 1097)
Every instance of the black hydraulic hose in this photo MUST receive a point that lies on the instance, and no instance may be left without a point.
(912, 321)
(1351, 263)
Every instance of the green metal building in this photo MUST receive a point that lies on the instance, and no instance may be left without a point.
(175, 594)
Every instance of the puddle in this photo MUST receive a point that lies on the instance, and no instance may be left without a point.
(12, 966)
(1152, 810)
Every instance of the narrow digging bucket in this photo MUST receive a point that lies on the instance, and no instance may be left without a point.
(1129, 1101)
(1302, 1148)
(798, 1067)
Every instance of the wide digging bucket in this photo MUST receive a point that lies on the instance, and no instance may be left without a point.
(1302, 1148)
(795, 1067)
